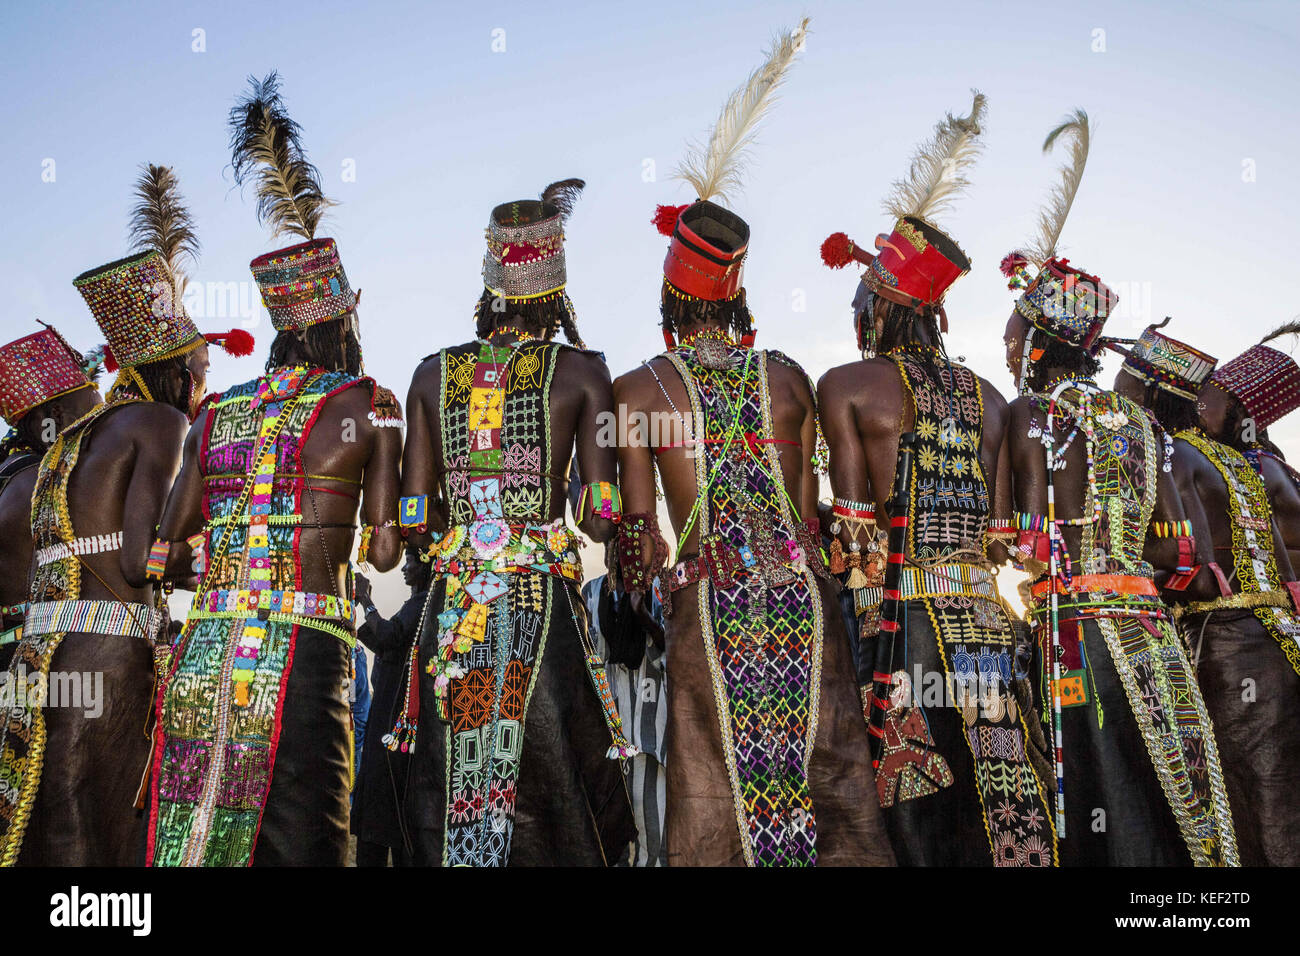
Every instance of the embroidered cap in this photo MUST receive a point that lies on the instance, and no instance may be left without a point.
(135, 303)
(303, 285)
(524, 259)
(1167, 363)
(1264, 380)
(35, 369)
(914, 265)
(706, 255)
(1062, 301)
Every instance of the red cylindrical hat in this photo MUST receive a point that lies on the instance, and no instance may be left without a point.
(707, 253)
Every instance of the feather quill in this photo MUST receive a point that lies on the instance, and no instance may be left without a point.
(1289, 328)
(1051, 218)
(265, 145)
(563, 195)
(937, 174)
(714, 169)
(160, 221)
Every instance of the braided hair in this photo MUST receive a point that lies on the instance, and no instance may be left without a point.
(681, 313)
(321, 346)
(1057, 355)
(542, 317)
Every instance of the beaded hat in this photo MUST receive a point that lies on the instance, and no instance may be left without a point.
(916, 263)
(1064, 302)
(303, 285)
(35, 369)
(1166, 363)
(524, 260)
(708, 243)
(1061, 300)
(1264, 380)
(135, 303)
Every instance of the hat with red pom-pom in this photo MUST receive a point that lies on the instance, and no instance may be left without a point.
(916, 263)
(35, 369)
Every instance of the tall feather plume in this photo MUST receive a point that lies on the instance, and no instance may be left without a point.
(160, 221)
(265, 145)
(1051, 218)
(1289, 328)
(563, 195)
(937, 173)
(715, 169)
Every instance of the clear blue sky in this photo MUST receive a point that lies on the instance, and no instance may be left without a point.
(441, 128)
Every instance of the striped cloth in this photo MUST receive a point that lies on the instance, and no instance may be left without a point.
(113, 618)
(93, 544)
(639, 695)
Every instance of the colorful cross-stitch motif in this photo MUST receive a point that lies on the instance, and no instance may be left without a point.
(1124, 459)
(22, 734)
(948, 506)
(220, 707)
(1251, 517)
(763, 633)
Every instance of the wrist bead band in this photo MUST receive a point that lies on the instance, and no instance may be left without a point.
(606, 501)
(851, 506)
(844, 511)
(156, 566)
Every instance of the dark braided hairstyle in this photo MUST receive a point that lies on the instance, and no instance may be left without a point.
(168, 381)
(682, 314)
(902, 326)
(321, 346)
(542, 317)
(1173, 412)
(1057, 355)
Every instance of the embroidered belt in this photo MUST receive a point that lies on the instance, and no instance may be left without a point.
(94, 544)
(301, 603)
(112, 618)
(721, 561)
(1242, 601)
(11, 636)
(1120, 584)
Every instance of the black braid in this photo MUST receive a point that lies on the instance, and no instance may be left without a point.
(681, 315)
(1057, 355)
(540, 317)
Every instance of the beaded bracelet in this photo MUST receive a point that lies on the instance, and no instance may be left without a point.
(606, 501)
(629, 550)
(1171, 529)
(368, 532)
(851, 507)
(156, 566)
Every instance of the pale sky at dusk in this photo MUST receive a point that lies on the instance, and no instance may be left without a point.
(1186, 208)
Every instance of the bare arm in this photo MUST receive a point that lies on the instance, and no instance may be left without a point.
(848, 471)
(635, 460)
(182, 515)
(810, 483)
(419, 458)
(380, 484)
(1162, 553)
(597, 458)
(156, 450)
(1204, 586)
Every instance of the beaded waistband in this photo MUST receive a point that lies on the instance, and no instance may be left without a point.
(967, 580)
(95, 544)
(1241, 602)
(1101, 585)
(111, 618)
(301, 603)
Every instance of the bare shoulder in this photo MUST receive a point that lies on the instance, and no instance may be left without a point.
(581, 365)
(993, 399)
(155, 421)
(638, 385)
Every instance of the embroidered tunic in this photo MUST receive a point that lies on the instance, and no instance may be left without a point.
(763, 628)
(55, 597)
(510, 646)
(946, 585)
(1108, 600)
(222, 707)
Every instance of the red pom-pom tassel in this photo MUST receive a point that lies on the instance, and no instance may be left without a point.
(1012, 263)
(236, 342)
(110, 361)
(665, 218)
(837, 250)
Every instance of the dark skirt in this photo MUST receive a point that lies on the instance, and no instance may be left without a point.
(1253, 696)
(571, 804)
(700, 825)
(84, 813)
(305, 821)
(382, 784)
(1116, 812)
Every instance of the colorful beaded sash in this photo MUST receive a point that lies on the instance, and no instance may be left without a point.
(22, 734)
(1251, 517)
(1145, 650)
(763, 631)
(504, 570)
(220, 707)
(109, 618)
(948, 509)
